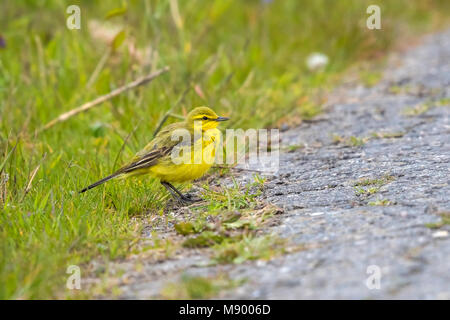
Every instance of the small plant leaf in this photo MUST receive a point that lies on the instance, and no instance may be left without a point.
(118, 40)
(184, 228)
(205, 239)
(116, 12)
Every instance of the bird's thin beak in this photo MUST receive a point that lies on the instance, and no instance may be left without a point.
(222, 119)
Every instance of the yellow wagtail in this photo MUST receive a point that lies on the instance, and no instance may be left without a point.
(176, 160)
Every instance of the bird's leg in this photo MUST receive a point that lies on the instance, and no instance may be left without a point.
(172, 193)
(182, 196)
(177, 194)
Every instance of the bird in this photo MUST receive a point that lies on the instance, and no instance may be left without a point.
(180, 152)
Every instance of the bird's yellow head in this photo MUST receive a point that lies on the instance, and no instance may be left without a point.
(208, 118)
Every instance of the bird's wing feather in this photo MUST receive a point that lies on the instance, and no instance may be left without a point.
(146, 160)
(158, 148)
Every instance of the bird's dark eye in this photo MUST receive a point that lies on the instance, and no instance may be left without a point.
(205, 118)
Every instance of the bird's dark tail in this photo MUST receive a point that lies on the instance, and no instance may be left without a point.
(99, 182)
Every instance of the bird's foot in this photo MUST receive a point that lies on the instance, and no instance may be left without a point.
(182, 199)
(186, 200)
(191, 198)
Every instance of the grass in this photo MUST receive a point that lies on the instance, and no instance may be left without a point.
(416, 110)
(366, 191)
(366, 187)
(445, 220)
(364, 182)
(356, 142)
(370, 78)
(380, 202)
(421, 108)
(244, 58)
(351, 141)
(387, 135)
(294, 147)
(249, 248)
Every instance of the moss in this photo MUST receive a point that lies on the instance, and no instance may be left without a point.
(249, 248)
(185, 228)
(308, 110)
(387, 135)
(370, 79)
(374, 182)
(380, 202)
(356, 142)
(204, 239)
(396, 89)
(294, 147)
(351, 141)
(197, 287)
(443, 102)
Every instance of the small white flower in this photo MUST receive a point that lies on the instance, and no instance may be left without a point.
(440, 234)
(316, 61)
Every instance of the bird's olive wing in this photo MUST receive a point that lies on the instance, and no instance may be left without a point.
(147, 160)
(158, 148)
(161, 146)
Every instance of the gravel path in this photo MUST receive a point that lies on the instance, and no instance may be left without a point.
(403, 126)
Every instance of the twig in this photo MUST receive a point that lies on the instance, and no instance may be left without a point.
(112, 94)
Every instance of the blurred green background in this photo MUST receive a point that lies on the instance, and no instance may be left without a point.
(245, 59)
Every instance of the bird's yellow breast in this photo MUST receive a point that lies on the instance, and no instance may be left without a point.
(189, 162)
